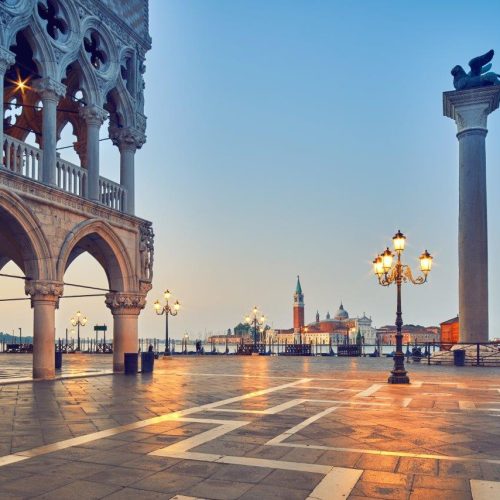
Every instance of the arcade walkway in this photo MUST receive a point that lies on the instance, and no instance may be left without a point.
(254, 428)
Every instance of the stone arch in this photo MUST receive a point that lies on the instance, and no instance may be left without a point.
(43, 53)
(22, 239)
(99, 239)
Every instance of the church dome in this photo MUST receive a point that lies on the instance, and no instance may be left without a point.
(341, 313)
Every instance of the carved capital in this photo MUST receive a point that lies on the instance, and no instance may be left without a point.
(93, 115)
(127, 138)
(49, 88)
(44, 290)
(125, 303)
(470, 108)
(7, 59)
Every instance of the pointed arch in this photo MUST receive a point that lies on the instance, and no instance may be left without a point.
(99, 239)
(22, 239)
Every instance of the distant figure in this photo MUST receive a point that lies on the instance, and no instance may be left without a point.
(150, 348)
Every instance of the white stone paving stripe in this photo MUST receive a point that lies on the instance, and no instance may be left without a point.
(68, 443)
(368, 392)
(337, 484)
(406, 402)
(298, 427)
(484, 490)
(387, 453)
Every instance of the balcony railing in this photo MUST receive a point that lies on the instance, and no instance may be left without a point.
(26, 160)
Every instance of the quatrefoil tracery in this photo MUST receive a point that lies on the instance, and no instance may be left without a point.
(51, 13)
(93, 47)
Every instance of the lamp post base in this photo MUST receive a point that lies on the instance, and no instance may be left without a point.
(398, 378)
(167, 352)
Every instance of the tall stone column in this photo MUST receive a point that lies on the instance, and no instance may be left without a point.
(125, 308)
(128, 140)
(470, 110)
(94, 117)
(7, 59)
(44, 301)
(50, 92)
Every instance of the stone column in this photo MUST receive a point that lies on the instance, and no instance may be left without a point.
(125, 308)
(94, 116)
(44, 301)
(128, 141)
(7, 59)
(470, 110)
(50, 92)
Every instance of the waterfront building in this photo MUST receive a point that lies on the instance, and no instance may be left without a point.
(450, 330)
(412, 334)
(339, 329)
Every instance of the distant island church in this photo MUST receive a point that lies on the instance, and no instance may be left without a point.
(339, 329)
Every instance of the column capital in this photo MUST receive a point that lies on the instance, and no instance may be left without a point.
(125, 303)
(44, 290)
(48, 88)
(127, 138)
(470, 108)
(93, 114)
(7, 59)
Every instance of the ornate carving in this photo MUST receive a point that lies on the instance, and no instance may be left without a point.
(478, 75)
(145, 287)
(146, 251)
(7, 59)
(93, 114)
(127, 137)
(44, 290)
(125, 303)
(48, 88)
(470, 108)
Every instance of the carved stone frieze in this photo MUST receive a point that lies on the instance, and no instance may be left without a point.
(48, 88)
(93, 115)
(7, 59)
(127, 137)
(125, 303)
(44, 290)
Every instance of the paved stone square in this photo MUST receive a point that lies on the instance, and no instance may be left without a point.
(227, 427)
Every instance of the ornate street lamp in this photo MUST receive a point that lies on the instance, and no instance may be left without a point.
(257, 320)
(78, 320)
(167, 310)
(387, 273)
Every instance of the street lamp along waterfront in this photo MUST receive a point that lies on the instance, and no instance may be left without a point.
(167, 310)
(254, 320)
(387, 273)
(78, 320)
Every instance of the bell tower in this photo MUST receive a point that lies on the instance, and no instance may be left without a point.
(298, 307)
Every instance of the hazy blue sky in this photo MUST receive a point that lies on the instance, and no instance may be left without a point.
(295, 137)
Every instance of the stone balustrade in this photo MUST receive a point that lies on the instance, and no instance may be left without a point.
(22, 158)
(27, 160)
(71, 178)
(112, 194)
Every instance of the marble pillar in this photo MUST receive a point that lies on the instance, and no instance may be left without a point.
(125, 308)
(128, 141)
(470, 110)
(44, 301)
(50, 92)
(94, 117)
(7, 59)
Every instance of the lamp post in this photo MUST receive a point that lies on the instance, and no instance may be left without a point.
(256, 321)
(78, 320)
(387, 273)
(167, 310)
